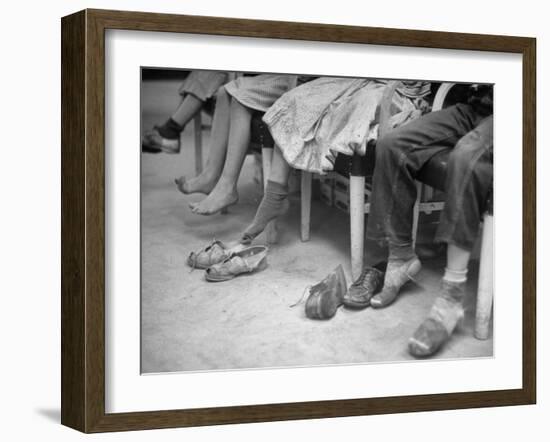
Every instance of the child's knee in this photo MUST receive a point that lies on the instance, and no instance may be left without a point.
(388, 146)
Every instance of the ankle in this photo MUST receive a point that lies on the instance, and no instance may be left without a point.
(228, 185)
(210, 174)
(277, 188)
(401, 252)
(170, 129)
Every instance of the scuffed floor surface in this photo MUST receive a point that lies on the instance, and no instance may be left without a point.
(189, 324)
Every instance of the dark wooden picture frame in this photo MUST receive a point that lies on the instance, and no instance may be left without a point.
(83, 220)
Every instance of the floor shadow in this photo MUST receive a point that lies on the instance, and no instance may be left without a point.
(51, 414)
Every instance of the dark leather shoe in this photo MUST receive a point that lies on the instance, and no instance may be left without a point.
(326, 296)
(369, 283)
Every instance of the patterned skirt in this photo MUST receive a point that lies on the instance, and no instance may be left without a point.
(315, 122)
(261, 91)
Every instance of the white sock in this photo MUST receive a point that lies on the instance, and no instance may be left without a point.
(456, 276)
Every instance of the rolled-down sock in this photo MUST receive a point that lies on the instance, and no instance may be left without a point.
(455, 275)
(273, 204)
(170, 129)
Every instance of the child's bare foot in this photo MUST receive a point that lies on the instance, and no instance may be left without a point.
(203, 183)
(218, 199)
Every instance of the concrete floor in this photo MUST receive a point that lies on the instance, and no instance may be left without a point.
(190, 324)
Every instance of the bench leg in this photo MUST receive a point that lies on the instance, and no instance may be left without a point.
(271, 229)
(485, 284)
(306, 179)
(197, 120)
(357, 215)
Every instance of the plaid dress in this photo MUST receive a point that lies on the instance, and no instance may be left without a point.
(316, 121)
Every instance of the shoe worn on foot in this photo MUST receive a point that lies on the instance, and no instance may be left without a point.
(154, 140)
(326, 296)
(446, 313)
(213, 253)
(247, 260)
(397, 274)
(368, 284)
(146, 146)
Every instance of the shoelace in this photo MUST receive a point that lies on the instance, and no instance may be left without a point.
(363, 276)
(308, 287)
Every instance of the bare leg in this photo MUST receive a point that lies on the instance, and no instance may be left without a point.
(225, 192)
(280, 170)
(275, 200)
(187, 109)
(206, 181)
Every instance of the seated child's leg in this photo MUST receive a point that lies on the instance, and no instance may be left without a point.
(275, 200)
(469, 179)
(187, 109)
(225, 192)
(206, 181)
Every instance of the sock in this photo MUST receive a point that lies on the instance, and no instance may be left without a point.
(455, 275)
(170, 129)
(403, 265)
(274, 203)
(401, 252)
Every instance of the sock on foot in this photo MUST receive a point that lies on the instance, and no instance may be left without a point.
(274, 203)
(402, 265)
(170, 129)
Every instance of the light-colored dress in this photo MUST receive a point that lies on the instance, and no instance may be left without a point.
(203, 84)
(261, 91)
(315, 122)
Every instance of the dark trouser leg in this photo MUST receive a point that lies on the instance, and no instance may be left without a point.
(399, 157)
(469, 180)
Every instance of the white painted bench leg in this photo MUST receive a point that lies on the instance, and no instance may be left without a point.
(357, 223)
(197, 120)
(485, 284)
(271, 229)
(306, 179)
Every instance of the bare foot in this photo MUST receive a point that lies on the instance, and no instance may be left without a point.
(218, 199)
(200, 184)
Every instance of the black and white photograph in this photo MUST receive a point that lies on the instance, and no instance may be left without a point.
(293, 220)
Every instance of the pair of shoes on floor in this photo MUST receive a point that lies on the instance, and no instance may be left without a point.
(222, 263)
(328, 295)
(154, 142)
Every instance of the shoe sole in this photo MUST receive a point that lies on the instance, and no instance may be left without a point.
(356, 305)
(210, 278)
